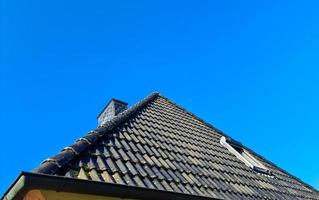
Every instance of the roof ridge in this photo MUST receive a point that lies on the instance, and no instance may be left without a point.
(53, 164)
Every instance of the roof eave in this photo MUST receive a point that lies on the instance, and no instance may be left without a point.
(27, 181)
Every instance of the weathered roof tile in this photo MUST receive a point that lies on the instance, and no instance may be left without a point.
(131, 168)
(110, 164)
(107, 177)
(138, 181)
(148, 183)
(128, 180)
(150, 172)
(140, 170)
(118, 178)
(157, 173)
(123, 155)
(121, 166)
(95, 175)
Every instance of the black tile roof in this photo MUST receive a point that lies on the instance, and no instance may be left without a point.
(158, 145)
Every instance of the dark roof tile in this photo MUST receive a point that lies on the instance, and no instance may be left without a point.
(133, 147)
(118, 178)
(157, 184)
(140, 158)
(148, 183)
(106, 152)
(125, 145)
(110, 165)
(121, 166)
(190, 189)
(156, 153)
(131, 168)
(181, 177)
(175, 187)
(148, 150)
(163, 163)
(166, 186)
(128, 180)
(182, 188)
(117, 143)
(140, 170)
(138, 181)
(148, 160)
(173, 176)
(92, 164)
(150, 172)
(157, 173)
(107, 177)
(165, 174)
(123, 155)
(95, 176)
(101, 163)
(114, 153)
(132, 156)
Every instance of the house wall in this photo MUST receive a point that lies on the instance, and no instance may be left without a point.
(53, 195)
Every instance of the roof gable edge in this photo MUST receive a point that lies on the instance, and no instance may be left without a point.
(198, 118)
(247, 148)
(53, 164)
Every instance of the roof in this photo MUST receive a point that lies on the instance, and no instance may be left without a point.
(158, 145)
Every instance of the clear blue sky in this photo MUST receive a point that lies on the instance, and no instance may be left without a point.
(251, 68)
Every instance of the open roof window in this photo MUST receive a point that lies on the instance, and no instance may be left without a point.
(242, 154)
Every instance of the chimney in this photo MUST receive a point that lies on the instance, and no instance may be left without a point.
(113, 108)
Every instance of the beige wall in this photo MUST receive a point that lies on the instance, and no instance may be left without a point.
(53, 195)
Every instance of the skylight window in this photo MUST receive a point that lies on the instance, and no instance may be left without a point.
(242, 154)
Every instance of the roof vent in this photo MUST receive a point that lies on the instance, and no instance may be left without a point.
(113, 108)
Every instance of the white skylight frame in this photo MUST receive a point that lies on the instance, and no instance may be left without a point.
(245, 157)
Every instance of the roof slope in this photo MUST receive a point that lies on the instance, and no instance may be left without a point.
(159, 145)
